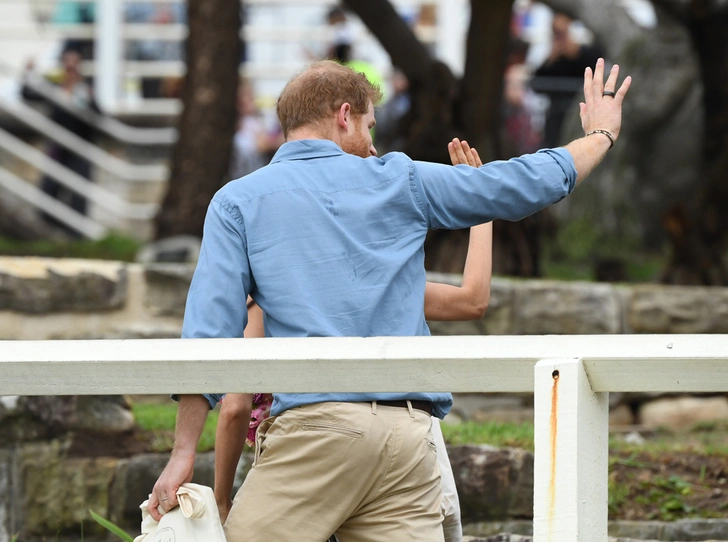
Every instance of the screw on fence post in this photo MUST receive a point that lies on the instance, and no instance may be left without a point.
(571, 455)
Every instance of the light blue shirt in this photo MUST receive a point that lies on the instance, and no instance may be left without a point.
(331, 245)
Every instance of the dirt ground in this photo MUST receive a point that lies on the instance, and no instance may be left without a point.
(668, 485)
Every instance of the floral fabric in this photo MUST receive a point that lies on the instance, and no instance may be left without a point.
(261, 410)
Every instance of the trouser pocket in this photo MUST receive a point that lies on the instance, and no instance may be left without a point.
(260, 435)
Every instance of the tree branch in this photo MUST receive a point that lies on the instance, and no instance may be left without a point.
(406, 51)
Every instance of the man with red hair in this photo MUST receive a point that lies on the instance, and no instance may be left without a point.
(328, 240)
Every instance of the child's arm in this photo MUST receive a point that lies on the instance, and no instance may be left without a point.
(470, 300)
(232, 427)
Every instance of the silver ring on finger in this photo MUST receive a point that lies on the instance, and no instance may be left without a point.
(609, 93)
(165, 499)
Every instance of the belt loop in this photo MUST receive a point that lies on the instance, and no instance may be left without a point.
(374, 408)
(409, 407)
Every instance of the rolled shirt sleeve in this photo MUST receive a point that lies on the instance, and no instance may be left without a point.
(463, 196)
(216, 302)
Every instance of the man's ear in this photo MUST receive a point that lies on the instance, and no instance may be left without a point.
(344, 116)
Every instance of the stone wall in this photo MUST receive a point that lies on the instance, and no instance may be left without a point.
(72, 299)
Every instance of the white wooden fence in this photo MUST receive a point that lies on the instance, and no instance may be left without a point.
(571, 377)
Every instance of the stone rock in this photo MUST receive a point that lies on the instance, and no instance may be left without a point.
(104, 413)
(642, 530)
(167, 286)
(549, 307)
(679, 309)
(498, 319)
(683, 412)
(621, 415)
(493, 484)
(44, 285)
(44, 416)
(56, 492)
(696, 529)
(180, 248)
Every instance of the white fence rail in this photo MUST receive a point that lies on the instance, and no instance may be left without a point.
(33, 195)
(571, 377)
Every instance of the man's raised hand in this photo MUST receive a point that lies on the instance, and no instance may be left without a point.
(602, 105)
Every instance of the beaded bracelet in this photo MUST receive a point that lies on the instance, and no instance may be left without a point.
(606, 133)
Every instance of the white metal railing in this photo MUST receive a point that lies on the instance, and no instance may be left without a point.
(118, 130)
(77, 183)
(60, 211)
(571, 377)
(103, 160)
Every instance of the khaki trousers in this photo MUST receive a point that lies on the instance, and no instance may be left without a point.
(367, 472)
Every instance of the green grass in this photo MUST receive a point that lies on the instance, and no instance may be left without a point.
(493, 433)
(111, 527)
(160, 419)
(111, 247)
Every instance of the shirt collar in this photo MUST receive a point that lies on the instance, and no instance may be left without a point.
(305, 149)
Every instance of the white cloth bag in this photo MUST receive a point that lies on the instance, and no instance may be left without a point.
(450, 503)
(196, 519)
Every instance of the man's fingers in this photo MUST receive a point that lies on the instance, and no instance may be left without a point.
(611, 84)
(152, 507)
(478, 161)
(622, 92)
(459, 153)
(468, 153)
(598, 85)
(453, 155)
(588, 82)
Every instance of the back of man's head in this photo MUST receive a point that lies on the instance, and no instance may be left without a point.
(312, 97)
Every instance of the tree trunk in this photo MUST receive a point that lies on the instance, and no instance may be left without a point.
(699, 234)
(201, 157)
(481, 88)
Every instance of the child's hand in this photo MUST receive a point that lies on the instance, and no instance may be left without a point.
(461, 153)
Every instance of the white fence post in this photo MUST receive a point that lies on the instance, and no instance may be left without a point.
(571, 437)
(108, 51)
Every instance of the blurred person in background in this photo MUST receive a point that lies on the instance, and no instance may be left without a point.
(254, 143)
(560, 76)
(520, 133)
(388, 134)
(68, 12)
(155, 50)
(77, 93)
(341, 48)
